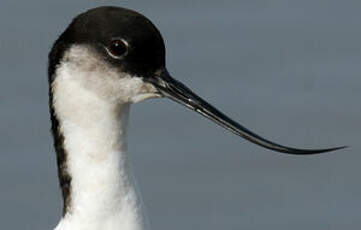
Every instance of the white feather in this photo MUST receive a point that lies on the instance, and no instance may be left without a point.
(92, 101)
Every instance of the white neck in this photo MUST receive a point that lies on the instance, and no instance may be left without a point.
(102, 193)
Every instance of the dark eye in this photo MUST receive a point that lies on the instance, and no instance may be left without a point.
(117, 48)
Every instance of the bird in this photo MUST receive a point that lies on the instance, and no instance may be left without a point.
(107, 59)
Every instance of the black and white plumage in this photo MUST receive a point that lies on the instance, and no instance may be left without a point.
(107, 59)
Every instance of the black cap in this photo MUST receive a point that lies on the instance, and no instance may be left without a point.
(99, 27)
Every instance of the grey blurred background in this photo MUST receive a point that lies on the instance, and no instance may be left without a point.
(289, 70)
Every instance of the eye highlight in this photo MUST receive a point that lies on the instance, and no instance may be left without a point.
(117, 48)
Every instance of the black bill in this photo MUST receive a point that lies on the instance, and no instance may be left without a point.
(178, 92)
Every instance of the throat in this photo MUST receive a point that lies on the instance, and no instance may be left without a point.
(101, 189)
